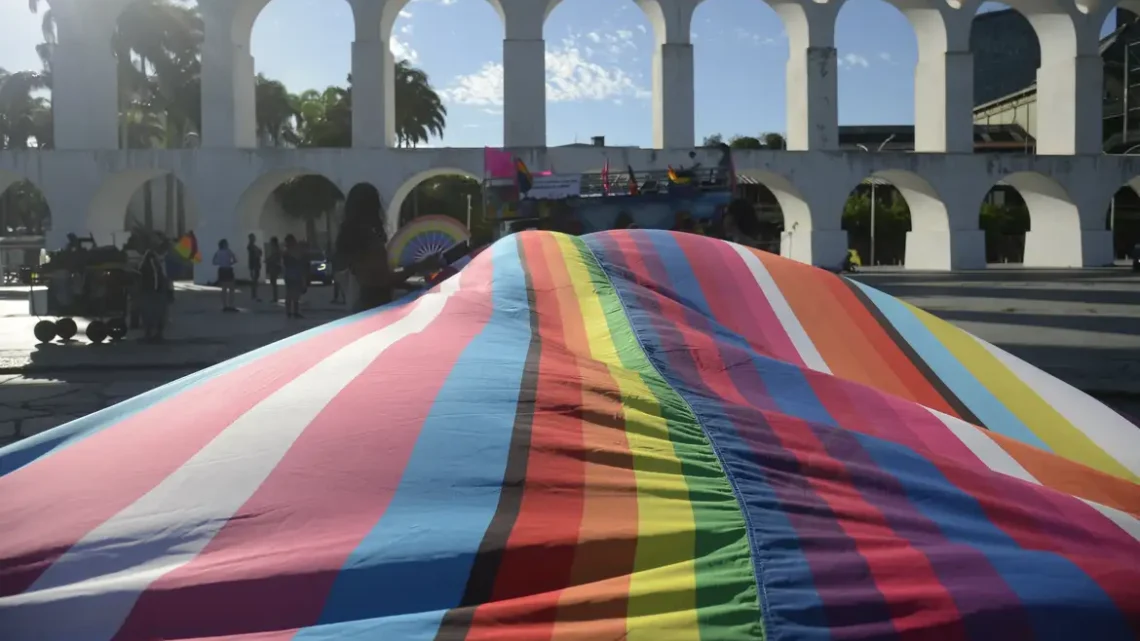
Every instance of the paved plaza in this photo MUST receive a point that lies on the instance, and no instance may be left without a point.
(1080, 325)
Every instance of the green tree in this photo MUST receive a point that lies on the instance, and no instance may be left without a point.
(278, 113)
(714, 140)
(745, 142)
(774, 141)
(23, 114)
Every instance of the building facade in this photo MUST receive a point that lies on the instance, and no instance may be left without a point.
(1067, 185)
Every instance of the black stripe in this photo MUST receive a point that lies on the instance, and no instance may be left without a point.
(950, 397)
(481, 582)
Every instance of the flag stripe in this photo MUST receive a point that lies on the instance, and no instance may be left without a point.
(205, 491)
(164, 437)
(258, 559)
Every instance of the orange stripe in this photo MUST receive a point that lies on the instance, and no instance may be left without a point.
(841, 344)
(595, 606)
(920, 390)
(1073, 478)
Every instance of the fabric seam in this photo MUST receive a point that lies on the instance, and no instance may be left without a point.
(755, 560)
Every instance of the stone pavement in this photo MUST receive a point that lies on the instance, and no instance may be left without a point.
(1080, 325)
(199, 334)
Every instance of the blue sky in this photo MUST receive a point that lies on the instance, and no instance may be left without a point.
(599, 54)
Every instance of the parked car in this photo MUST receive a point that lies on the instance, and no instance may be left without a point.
(320, 270)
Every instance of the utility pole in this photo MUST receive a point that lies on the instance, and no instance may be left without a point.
(873, 179)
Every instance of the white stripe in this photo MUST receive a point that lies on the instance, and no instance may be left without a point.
(1111, 432)
(977, 441)
(997, 459)
(88, 593)
(1126, 521)
(783, 310)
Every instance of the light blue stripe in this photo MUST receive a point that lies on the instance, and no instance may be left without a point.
(414, 564)
(989, 410)
(26, 451)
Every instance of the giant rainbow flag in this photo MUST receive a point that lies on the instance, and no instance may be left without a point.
(630, 435)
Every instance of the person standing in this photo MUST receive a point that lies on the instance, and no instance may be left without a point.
(254, 256)
(362, 245)
(296, 276)
(224, 260)
(154, 293)
(273, 266)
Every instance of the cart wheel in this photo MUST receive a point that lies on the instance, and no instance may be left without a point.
(45, 331)
(117, 329)
(66, 329)
(96, 331)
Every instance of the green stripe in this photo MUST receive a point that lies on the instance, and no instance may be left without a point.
(727, 598)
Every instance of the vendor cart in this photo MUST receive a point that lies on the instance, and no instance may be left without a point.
(91, 284)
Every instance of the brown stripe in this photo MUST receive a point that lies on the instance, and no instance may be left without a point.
(950, 397)
(481, 582)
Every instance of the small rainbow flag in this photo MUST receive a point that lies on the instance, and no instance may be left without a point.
(525, 180)
(678, 179)
(187, 248)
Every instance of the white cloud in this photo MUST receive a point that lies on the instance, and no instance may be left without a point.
(403, 51)
(404, 13)
(572, 75)
(852, 60)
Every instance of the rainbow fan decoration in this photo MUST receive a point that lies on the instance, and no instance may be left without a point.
(423, 237)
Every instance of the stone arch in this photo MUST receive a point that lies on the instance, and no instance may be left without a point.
(1054, 236)
(10, 179)
(251, 205)
(106, 216)
(795, 208)
(396, 201)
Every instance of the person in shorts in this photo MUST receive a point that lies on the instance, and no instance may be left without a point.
(224, 260)
(296, 268)
(253, 259)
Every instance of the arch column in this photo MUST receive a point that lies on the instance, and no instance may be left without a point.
(85, 100)
(943, 80)
(812, 91)
(674, 109)
(374, 73)
(524, 71)
(229, 102)
(1070, 85)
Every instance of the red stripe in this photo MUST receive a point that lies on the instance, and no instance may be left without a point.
(84, 493)
(539, 556)
(273, 564)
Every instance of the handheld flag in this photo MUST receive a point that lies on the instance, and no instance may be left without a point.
(678, 179)
(187, 248)
(606, 178)
(634, 190)
(522, 174)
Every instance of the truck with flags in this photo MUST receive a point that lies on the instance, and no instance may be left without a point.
(689, 198)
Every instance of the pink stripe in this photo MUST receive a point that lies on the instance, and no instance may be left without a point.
(273, 564)
(740, 304)
(84, 493)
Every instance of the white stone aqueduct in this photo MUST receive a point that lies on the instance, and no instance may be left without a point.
(1068, 185)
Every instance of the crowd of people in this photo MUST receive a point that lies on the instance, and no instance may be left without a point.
(360, 256)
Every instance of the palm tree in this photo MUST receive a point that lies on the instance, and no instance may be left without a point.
(420, 114)
(21, 111)
(278, 113)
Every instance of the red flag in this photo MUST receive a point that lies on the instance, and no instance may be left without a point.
(606, 178)
(634, 190)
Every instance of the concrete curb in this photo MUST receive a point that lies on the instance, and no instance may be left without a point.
(40, 370)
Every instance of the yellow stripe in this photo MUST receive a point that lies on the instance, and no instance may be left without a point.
(1064, 438)
(662, 592)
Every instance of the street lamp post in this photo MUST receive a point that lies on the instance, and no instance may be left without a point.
(873, 179)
